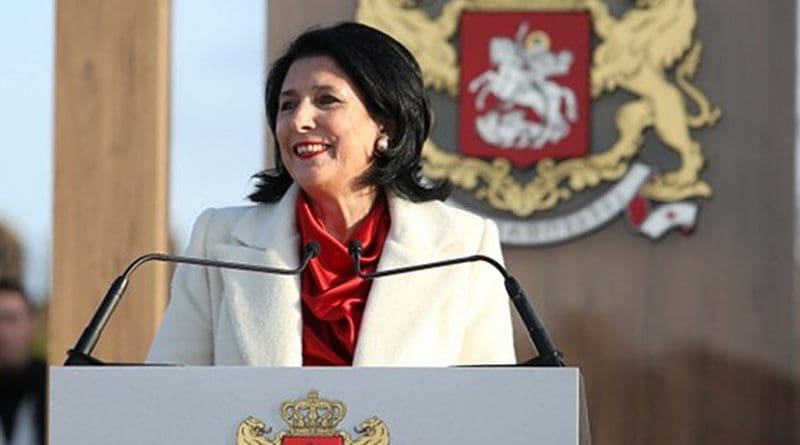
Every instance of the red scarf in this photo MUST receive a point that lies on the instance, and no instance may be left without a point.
(333, 296)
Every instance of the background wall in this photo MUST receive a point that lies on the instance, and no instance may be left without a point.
(691, 340)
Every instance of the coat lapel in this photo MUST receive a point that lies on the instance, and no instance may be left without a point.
(264, 309)
(401, 317)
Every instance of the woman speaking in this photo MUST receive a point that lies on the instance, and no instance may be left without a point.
(349, 113)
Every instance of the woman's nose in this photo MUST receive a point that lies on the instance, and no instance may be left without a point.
(304, 116)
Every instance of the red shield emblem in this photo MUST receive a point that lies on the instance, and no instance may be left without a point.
(524, 85)
(313, 440)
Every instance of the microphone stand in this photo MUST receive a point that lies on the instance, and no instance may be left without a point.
(549, 355)
(80, 354)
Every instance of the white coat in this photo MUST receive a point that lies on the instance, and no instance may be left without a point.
(448, 316)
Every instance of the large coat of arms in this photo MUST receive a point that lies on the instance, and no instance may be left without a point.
(312, 420)
(525, 76)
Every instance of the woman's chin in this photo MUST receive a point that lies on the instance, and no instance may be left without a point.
(317, 185)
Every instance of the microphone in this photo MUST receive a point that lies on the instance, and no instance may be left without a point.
(548, 354)
(80, 354)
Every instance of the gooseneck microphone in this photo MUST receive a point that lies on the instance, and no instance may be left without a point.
(81, 353)
(548, 354)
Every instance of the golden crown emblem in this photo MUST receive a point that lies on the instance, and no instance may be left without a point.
(313, 415)
(311, 418)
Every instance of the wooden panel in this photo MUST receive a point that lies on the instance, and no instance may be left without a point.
(286, 20)
(111, 136)
(691, 340)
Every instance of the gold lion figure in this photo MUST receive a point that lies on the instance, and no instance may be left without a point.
(253, 432)
(374, 432)
(634, 54)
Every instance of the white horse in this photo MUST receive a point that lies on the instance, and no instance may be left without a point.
(522, 78)
(510, 83)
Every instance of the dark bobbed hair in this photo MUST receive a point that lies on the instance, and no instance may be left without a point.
(390, 82)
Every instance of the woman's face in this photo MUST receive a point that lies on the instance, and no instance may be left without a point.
(325, 135)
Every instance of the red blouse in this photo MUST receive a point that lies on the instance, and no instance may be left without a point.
(333, 296)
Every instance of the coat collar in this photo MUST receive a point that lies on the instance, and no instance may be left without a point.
(266, 309)
(266, 226)
(416, 228)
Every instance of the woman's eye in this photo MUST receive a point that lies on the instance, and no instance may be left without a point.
(328, 99)
(286, 105)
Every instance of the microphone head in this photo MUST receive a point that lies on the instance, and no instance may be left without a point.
(355, 247)
(313, 248)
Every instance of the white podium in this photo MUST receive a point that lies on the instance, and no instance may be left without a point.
(210, 405)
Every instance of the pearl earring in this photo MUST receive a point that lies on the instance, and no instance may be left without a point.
(383, 143)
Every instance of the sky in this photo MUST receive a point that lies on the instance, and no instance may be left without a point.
(217, 127)
(218, 121)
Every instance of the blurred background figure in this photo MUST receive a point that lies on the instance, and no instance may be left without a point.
(22, 377)
(10, 256)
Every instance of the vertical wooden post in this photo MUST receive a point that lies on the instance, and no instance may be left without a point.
(111, 160)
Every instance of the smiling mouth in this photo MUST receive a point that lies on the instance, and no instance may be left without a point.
(306, 151)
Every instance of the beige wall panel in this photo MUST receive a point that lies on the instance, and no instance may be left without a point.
(111, 160)
(691, 340)
(287, 19)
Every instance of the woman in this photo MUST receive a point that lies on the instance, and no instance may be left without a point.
(349, 113)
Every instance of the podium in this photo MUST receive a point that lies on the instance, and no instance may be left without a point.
(316, 406)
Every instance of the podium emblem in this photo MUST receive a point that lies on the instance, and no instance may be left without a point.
(556, 117)
(312, 421)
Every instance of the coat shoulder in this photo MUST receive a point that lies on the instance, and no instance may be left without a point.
(229, 217)
(445, 226)
(219, 224)
(458, 218)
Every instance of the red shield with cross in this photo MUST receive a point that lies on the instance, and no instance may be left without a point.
(524, 89)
